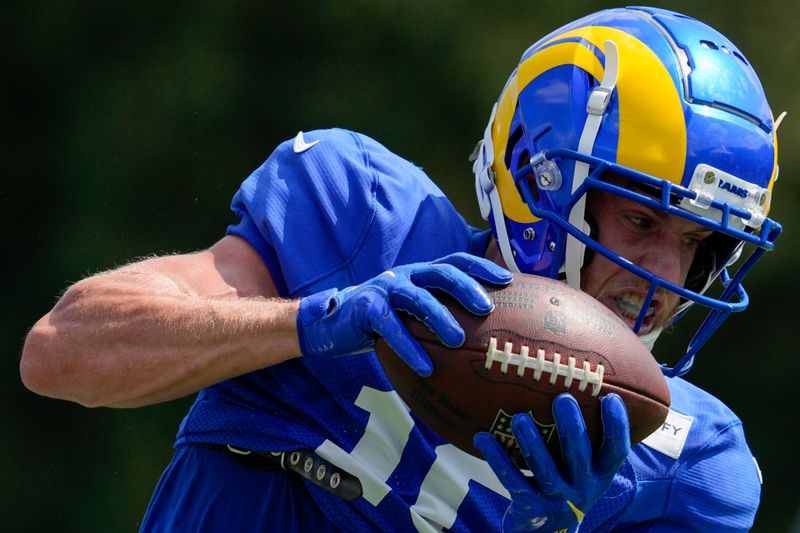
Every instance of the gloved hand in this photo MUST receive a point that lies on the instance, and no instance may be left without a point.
(554, 501)
(341, 322)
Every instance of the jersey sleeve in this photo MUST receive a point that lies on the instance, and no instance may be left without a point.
(718, 488)
(307, 213)
(695, 473)
(342, 210)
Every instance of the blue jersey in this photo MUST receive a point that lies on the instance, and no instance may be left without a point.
(343, 211)
(695, 473)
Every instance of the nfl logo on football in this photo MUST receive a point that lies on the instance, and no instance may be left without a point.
(501, 428)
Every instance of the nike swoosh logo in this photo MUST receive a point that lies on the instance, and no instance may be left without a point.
(300, 145)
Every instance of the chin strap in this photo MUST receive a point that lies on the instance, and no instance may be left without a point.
(486, 190)
(595, 108)
(649, 339)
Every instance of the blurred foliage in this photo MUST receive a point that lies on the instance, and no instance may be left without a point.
(127, 127)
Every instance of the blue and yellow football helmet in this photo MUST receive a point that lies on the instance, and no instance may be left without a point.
(654, 97)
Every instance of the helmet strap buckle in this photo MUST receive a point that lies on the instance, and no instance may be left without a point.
(598, 100)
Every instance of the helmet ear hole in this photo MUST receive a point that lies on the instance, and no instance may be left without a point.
(513, 140)
(518, 156)
(523, 159)
(533, 186)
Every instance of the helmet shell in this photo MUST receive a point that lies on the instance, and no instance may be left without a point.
(685, 96)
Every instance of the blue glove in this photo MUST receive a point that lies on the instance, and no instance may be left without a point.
(554, 501)
(341, 322)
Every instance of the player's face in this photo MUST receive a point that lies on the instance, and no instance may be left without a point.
(662, 244)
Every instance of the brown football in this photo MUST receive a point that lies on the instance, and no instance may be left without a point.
(543, 338)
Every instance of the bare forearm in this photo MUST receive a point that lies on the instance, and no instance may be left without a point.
(127, 339)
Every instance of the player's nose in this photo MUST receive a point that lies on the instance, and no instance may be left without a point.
(663, 256)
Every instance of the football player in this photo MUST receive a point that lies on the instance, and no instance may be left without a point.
(631, 153)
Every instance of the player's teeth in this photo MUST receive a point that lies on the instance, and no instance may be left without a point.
(630, 305)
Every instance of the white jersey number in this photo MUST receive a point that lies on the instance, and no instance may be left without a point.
(377, 454)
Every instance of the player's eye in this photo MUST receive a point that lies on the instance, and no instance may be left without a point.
(694, 239)
(639, 222)
(690, 240)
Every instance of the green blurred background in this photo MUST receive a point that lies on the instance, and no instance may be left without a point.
(127, 127)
